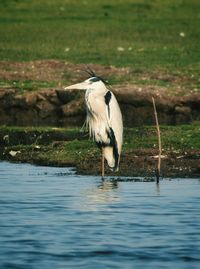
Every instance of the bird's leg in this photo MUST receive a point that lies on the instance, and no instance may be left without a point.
(102, 164)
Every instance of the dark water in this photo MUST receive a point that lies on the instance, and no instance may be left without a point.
(51, 218)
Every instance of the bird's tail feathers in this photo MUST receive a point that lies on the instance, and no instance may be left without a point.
(111, 159)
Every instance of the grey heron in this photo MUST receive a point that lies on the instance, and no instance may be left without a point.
(104, 118)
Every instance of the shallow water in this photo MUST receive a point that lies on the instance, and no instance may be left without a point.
(52, 218)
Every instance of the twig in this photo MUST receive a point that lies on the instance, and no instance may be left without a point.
(159, 142)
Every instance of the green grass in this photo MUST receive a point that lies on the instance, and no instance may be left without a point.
(153, 34)
(44, 129)
(26, 85)
(181, 137)
(173, 137)
(176, 139)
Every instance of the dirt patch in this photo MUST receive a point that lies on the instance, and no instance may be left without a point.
(144, 162)
(133, 163)
(53, 70)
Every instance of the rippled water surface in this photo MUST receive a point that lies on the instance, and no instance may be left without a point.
(52, 218)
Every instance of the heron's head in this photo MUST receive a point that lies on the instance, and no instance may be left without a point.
(93, 83)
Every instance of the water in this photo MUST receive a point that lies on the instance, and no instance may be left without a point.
(52, 218)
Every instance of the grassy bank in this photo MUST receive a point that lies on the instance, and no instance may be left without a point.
(142, 34)
(153, 44)
(69, 147)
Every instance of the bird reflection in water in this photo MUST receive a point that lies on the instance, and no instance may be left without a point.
(106, 192)
(108, 185)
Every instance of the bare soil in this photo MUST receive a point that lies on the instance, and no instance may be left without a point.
(143, 162)
(53, 70)
(37, 147)
(133, 163)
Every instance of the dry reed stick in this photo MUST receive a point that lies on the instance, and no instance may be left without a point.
(159, 142)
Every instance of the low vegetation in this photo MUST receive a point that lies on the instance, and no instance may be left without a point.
(70, 147)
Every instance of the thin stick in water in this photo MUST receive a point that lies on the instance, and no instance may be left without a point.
(159, 142)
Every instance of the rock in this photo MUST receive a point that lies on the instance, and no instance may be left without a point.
(7, 97)
(66, 96)
(19, 101)
(5, 116)
(67, 107)
(45, 108)
(4, 139)
(6, 92)
(37, 147)
(53, 99)
(183, 109)
(31, 99)
(13, 153)
(24, 117)
(40, 96)
(73, 108)
(182, 114)
(48, 95)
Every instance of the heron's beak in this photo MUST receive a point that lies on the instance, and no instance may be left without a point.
(78, 86)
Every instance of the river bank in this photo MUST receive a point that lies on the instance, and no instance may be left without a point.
(70, 147)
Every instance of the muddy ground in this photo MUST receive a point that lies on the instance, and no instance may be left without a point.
(144, 163)
(45, 148)
(133, 163)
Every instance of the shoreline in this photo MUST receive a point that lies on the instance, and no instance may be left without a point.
(70, 148)
(171, 172)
